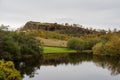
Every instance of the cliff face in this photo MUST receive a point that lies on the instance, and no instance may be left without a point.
(73, 30)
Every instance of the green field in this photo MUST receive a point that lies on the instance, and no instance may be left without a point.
(57, 50)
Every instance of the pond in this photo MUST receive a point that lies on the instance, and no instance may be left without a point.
(70, 67)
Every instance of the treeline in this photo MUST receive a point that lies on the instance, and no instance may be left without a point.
(14, 45)
(71, 30)
(108, 44)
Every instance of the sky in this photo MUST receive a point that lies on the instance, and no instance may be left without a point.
(98, 14)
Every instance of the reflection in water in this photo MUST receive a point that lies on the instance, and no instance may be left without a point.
(111, 63)
(28, 66)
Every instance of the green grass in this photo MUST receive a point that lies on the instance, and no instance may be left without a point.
(57, 50)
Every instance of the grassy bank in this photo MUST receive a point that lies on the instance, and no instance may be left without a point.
(57, 50)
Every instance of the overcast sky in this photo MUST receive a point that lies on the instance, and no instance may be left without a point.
(103, 14)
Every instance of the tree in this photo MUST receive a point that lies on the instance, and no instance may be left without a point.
(77, 44)
(28, 43)
(98, 49)
(113, 46)
(15, 44)
(3, 27)
(109, 46)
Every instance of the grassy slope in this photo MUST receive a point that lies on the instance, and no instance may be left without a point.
(57, 50)
(54, 42)
(55, 45)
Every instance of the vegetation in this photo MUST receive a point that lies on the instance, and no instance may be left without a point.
(52, 35)
(78, 38)
(53, 42)
(13, 45)
(48, 34)
(109, 46)
(26, 45)
(72, 30)
(2, 76)
(27, 40)
(63, 38)
(57, 50)
(80, 44)
(77, 44)
(8, 71)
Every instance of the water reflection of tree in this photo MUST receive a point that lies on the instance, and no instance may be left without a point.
(111, 63)
(56, 59)
(28, 66)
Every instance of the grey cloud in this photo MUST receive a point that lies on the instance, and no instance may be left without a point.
(87, 12)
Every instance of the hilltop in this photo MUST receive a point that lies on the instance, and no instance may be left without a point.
(72, 30)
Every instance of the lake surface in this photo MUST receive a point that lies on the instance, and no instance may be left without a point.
(70, 67)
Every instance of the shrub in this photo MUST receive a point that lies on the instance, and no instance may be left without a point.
(8, 71)
(98, 49)
(90, 42)
(77, 44)
(113, 46)
(2, 76)
(109, 47)
(72, 43)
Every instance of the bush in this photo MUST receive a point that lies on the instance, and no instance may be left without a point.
(2, 76)
(90, 42)
(113, 46)
(98, 49)
(72, 43)
(77, 44)
(108, 47)
(8, 71)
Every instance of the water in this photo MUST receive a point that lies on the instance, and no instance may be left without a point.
(70, 67)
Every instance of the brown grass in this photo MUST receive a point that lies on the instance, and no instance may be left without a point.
(53, 42)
